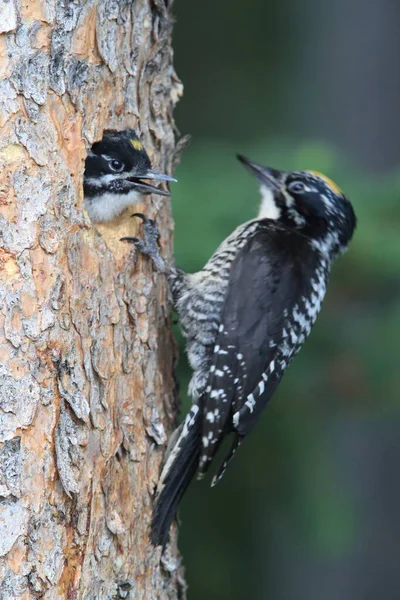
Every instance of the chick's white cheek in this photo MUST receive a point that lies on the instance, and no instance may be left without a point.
(268, 207)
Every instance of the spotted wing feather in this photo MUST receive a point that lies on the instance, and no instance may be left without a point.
(257, 335)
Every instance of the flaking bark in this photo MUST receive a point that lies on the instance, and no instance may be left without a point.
(86, 353)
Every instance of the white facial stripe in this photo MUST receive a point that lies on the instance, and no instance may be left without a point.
(268, 207)
(289, 200)
(291, 209)
(99, 181)
(328, 201)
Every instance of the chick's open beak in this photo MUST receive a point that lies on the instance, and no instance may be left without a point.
(150, 174)
(147, 188)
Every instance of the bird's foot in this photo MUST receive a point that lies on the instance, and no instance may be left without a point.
(149, 245)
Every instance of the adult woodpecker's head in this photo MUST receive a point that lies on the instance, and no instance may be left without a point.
(308, 202)
(114, 172)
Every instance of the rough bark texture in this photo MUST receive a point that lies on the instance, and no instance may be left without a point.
(86, 353)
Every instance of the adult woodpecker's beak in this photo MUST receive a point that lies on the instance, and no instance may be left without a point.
(271, 178)
(146, 188)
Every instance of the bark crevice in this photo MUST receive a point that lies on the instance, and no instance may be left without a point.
(87, 394)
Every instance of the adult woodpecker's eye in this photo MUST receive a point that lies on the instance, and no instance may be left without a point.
(116, 165)
(296, 187)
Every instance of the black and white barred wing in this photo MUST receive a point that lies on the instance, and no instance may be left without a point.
(258, 335)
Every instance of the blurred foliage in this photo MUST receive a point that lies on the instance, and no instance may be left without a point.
(285, 483)
(309, 507)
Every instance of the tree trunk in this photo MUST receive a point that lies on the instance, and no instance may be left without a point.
(86, 351)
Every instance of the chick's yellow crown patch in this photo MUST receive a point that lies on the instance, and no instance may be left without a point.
(136, 144)
(335, 188)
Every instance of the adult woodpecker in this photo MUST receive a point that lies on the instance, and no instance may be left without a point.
(245, 315)
(114, 170)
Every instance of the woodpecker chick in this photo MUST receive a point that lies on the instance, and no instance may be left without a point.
(245, 315)
(114, 170)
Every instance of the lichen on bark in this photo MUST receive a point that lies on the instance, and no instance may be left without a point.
(86, 353)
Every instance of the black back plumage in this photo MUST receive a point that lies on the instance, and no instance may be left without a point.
(259, 333)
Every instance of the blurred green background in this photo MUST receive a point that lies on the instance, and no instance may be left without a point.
(310, 507)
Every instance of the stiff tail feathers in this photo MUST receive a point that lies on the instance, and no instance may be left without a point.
(179, 469)
(224, 465)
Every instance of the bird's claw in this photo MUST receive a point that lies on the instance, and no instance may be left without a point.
(141, 216)
(149, 245)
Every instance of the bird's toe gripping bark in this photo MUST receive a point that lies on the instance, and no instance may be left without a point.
(149, 245)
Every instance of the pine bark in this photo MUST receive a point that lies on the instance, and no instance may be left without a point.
(87, 393)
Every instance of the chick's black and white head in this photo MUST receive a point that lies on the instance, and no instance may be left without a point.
(114, 173)
(307, 202)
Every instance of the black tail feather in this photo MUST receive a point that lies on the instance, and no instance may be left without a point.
(224, 465)
(176, 476)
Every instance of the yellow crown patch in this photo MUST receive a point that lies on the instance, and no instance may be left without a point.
(136, 144)
(335, 189)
